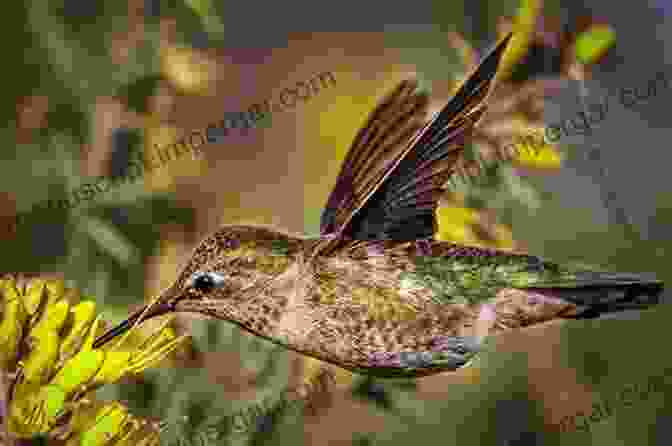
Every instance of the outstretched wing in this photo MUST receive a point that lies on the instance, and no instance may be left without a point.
(388, 188)
(376, 149)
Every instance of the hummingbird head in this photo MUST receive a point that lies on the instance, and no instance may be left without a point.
(225, 272)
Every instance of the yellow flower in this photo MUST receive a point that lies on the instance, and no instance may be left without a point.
(523, 26)
(455, 224)
(469, 226)
(542, 157)
(82, 318)
(111, 423)
(189, 70)
(58, 368)
(11, 327)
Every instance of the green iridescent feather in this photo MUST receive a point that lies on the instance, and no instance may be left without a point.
(473, 279)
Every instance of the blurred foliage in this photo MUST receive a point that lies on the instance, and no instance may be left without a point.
(594, 42)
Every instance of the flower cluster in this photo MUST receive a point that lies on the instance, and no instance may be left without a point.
(47, 359)
(149, 161)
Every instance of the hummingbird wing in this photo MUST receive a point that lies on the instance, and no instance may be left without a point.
(379, 144)
(388, 190)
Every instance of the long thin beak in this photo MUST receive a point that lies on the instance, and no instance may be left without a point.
(156, 310)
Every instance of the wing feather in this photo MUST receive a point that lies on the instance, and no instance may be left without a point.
(377, 145)
(397, 168)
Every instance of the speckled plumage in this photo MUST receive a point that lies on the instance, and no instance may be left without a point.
(377, 307)
(375, 293)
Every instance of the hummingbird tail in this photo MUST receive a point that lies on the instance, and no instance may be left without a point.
(600, 294)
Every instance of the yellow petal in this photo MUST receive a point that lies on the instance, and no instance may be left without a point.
(544, 157)
(9, 291)
(82, 418)
(11, 328)
(454, 224)
(108, 424)
(152, 357)
(114, 367)
(162, 334)
(458, 234)
(81, 368)
(53, 318)
(39, 365)
(22, 412)
(54, 398)
(132, 426)
(123, 361)
(35, 293)
(135, 340)
(56, 290)
(33, 413)
(82, 315)
(455, 215)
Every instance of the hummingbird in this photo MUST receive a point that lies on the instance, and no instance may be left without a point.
(375, 293)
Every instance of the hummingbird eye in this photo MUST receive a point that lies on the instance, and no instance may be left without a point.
(207, 281)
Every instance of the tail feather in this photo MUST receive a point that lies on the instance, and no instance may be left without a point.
(597, 294)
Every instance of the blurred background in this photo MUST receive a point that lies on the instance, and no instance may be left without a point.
(88, 84)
